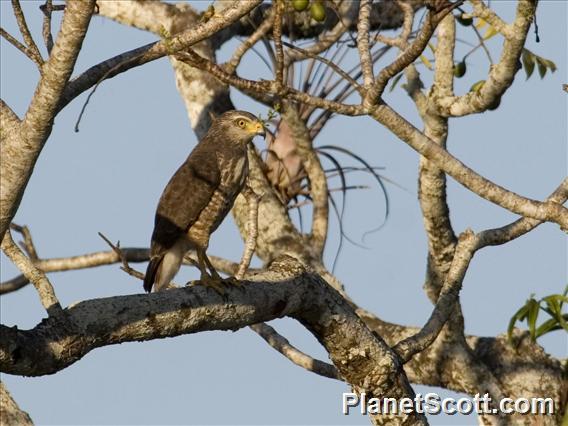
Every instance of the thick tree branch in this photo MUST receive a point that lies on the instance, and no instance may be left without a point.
(286, 289)
(21, 149)
(432, 181)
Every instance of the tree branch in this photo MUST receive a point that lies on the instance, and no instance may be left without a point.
(21, 149)
(502, 74)
(150, 52)
(363, 42)
(101, 258)
(10, 413)
(547, 211)
(286, 289)
(282, 345)
(25, 31)
(33, 274)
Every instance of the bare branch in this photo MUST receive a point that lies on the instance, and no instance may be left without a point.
(432, 181)
(363, 42)
(286, 289)
(193, 59)
(504, 234)
(277, 36)
(329, 63)
(410, 54)
(548, 211)
(47, 10)
(150, 52)
(282, 345)
(487, 14)
(25, 31)
(252, 231)
(502, 74)
(446, 302)
(468, 244)
(28, 243)
(259, 33)
(22, 48)
(32, 273)
(20, 151)
(101, 258)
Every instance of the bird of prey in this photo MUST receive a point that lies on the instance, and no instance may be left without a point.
(198, 197)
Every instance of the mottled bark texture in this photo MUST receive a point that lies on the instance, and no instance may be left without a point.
(22, 144)
(285, 289)
(10, 413)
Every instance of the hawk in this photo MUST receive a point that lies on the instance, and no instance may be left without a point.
(198, 197)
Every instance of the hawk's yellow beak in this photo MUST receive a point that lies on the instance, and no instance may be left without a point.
(257, 128)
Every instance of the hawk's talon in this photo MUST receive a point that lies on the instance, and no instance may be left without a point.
(216, 283)
(233, 281)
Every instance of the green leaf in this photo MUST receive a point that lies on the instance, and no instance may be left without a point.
(529, 60)
(554, 304)
(517, 316)
(549, 64)
(532, 315)
(547, 326)
(395, 81)
(541, 67)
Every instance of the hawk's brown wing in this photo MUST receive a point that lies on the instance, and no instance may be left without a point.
(188, 192)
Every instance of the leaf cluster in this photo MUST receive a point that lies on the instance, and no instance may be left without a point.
(529, 312)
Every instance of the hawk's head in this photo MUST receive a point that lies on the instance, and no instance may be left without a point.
(239, 126)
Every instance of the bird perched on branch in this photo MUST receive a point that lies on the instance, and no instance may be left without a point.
(198, 197)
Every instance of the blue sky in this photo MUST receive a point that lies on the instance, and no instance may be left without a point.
(108, 178)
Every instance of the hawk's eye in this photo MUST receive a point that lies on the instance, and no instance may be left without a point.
(241, 123)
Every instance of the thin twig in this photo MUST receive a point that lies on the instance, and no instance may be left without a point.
(22, 48)
(330, 64)
(25, 31)
(27, 244)
(244, 47)
(47, 9)
(125, 266)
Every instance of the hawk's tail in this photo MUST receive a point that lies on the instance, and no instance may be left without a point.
(151, 272)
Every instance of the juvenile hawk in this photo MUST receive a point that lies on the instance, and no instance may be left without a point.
(199, 196)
